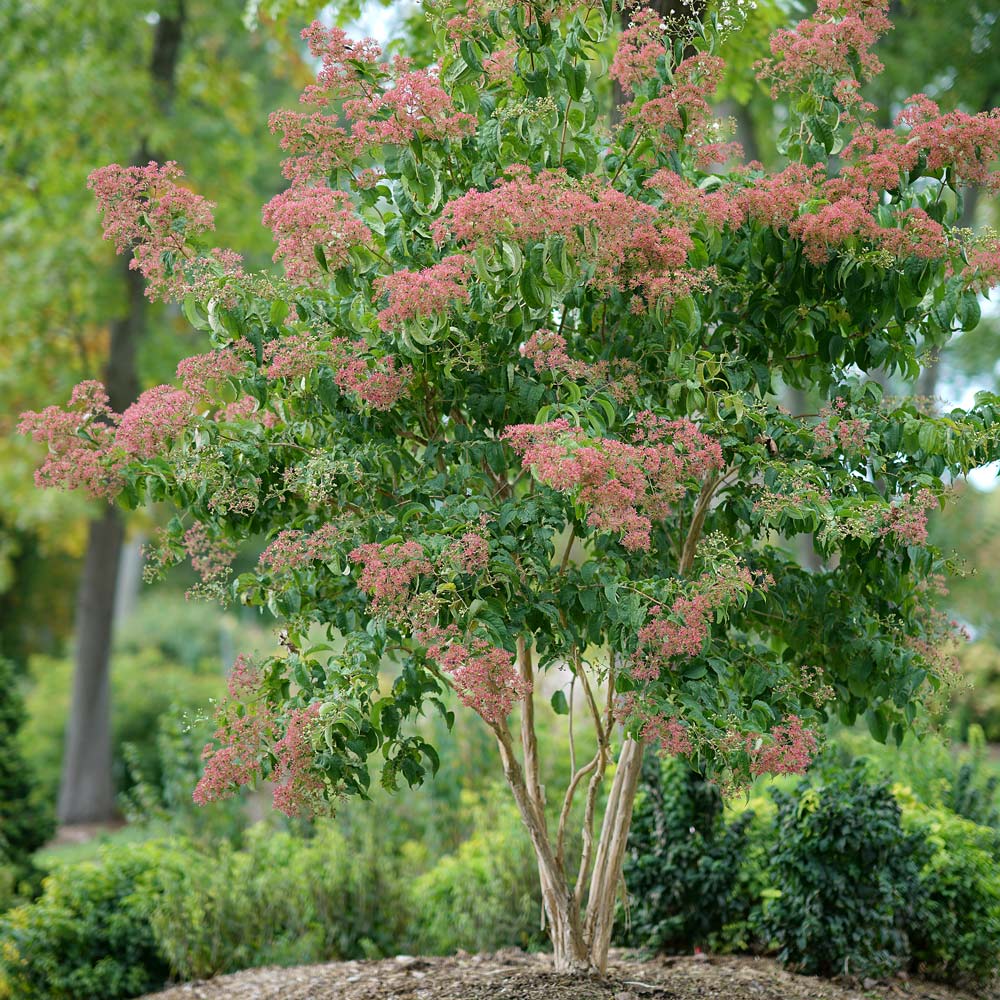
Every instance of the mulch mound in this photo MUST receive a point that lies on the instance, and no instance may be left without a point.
(514, 975)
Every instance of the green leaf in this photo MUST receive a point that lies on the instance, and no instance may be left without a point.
(559, 703)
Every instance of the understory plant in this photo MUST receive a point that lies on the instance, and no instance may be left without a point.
(510, 421)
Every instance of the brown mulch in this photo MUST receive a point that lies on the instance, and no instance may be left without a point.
(514, 975)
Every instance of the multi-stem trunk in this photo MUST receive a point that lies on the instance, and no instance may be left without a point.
(580, 933)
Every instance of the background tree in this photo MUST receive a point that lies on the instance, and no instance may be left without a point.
(179, 78)
(510, 421)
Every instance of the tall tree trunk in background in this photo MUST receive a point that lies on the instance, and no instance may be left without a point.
(86, 791)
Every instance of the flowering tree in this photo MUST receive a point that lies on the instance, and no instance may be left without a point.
(510, 422)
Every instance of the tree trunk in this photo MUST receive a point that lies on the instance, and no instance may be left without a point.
(86, 792)
(611, 854)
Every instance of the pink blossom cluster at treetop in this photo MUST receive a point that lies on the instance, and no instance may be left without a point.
(632, 246)
(413, 106)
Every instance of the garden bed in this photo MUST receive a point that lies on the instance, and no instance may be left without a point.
(514, 975)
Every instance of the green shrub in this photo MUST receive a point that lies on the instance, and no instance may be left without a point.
(88, 935)
(25, 821)
(281, 900)
(683, 864)
(955, 930)
(485, 895)
(844, 873)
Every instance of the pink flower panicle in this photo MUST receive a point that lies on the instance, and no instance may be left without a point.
(413, 294)
(668, 733)
(470, 553)
(144, 209)
(387, 572)
(303, 218)
(790, 751)
(630, 247)
(292, 549)
(626, 486)
(244, 679)
(196, 372)
(375, 381)
(840, 32)
(640, 47)
(682, 631)
(684, 107)
(157, 417)
(291, 357)
(80, 440)
(485, 677)
(837, 432)
(210, 558)
(237, 758)
(415, 106)
(298, 785)
(907, 519)
(547, 352)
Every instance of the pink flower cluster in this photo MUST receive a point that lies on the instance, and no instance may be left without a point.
(968, 143)
(470, 553)
(626, 486)
(375, 381)
(210, 558)
(790, 751)
(89, 443)
(292, 549)
(684, 106)
(244, 678)
(387, 572)
(690, 204)
(291, 357)
(837, 432)
(485, 677)
(414, 105)
(157, 417)
(237, 759)
(839, 32)
(668, 733)
(630, 245)
(907, 519)
(304, 218)
(298, 785)
(80, 440)
(682, 631)
(143, 208)
(196, 372)
(423, 293)
(547, 352)
(640, 46)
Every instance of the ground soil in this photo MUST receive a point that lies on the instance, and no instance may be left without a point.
(514, 975)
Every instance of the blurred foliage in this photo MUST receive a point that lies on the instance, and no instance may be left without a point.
(485, 895)
(955, 933)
